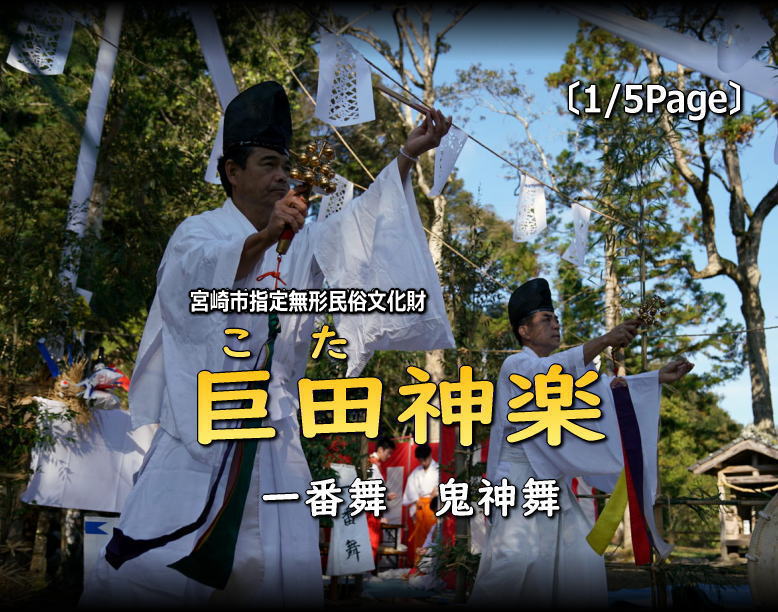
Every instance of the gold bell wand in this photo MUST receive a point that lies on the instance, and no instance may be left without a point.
(312, 172)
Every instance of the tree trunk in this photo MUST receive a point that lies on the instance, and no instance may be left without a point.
(746, 227)
(38, 561)
(756, 349)
(613, 304)
(747, 277)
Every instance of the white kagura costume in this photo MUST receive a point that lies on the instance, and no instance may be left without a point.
(542, 561)
(374, 242)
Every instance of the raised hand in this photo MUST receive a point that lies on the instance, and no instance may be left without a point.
(621, 335)
(428, 135)
(674, 370)
(290, 212)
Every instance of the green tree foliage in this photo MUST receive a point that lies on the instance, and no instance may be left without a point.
(692, 425)
(679, 160)
(616, 166)
(159, 128)
(625, 170)
(621, 167)
(160, 125)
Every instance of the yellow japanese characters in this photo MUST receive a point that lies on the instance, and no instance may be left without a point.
(206, 415)
(464, 402)
(321, 337)
(353, 405)
(421, 408)
(241, 334)
(339, 406)
(554, 393)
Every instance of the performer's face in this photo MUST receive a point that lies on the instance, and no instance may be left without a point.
(541, 334)
(425, 463)
(263, 181)
(383, 454)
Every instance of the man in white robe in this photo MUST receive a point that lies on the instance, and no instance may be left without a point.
(421, 488)
(542, 561)
(423, 481)
(276, 559)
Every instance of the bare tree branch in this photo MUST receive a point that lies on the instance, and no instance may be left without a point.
(764, 208)
(721, 268)
(457, 18)
(379, 45)
(509, 110)
(716, 264)
(402, 22)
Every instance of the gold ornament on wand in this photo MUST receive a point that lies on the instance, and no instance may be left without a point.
(652, 308)
(312, 170)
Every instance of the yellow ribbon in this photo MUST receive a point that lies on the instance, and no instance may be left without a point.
(612, 514)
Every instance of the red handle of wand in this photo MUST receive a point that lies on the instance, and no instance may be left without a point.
(285, 239)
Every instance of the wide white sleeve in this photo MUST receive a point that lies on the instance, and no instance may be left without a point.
(164, 389)
(527, 364)
(574, 456)
(376, 242)
(375, 472)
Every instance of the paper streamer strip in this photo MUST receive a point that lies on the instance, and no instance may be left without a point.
(212, 172)
(576, 252)
(345, 91)
(754, 76)
(43, 40)
(354, 530)
(330, 204)
(530, 210)
(634, 470)
(744, 34)
(446, 157)
(219, 68)
(90, 140)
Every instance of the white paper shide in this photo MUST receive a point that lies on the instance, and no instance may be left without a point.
(576, 252)
(334, 202)
(345, 93)
(530, 210)
(43, 40)
(446, 157)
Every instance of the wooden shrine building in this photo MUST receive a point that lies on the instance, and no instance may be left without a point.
(746, 469)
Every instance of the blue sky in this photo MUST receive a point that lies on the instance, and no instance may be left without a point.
(536, 40)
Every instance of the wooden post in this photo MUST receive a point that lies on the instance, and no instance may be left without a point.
(38, 562)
